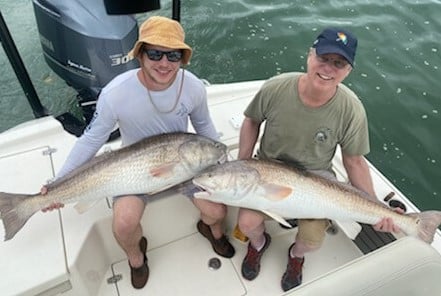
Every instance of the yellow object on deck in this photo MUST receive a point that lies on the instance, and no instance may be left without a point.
(239, 235)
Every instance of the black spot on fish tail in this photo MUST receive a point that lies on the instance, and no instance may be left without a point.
(13, 218)
(428, 222)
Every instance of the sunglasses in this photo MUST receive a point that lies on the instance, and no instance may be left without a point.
(156, 55)
(337, 63)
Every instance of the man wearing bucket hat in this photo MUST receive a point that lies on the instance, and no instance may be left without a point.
(309, 115)
(159, 97)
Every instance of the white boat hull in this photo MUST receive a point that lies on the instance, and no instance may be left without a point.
(63, 252)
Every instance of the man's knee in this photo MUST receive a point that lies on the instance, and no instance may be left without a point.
(249, 220)
(214, 210)
(127, 214)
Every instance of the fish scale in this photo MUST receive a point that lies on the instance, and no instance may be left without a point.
(149, 166)
(283, 192)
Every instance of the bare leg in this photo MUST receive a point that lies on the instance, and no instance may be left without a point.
(213, 215)
(211, 226)
(251, 223)
(127, 214)
(300, 248)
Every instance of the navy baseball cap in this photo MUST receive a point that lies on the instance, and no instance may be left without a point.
(338, 41)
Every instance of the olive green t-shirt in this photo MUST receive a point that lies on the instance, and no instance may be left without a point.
(304, 136)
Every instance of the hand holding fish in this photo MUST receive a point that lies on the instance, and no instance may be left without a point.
(53, 206)
(387, 224)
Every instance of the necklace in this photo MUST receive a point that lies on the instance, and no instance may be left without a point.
(177, 97)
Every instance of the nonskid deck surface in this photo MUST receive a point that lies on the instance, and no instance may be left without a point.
(182, 266)
(179, 258)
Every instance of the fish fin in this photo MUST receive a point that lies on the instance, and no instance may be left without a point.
(12, 215)
(427, 224)
(163, 170)
(350, 228)
(84, 206)
(190, 190)
(276, 192)
(277, 218)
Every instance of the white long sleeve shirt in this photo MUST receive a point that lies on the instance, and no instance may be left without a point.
(125, 103)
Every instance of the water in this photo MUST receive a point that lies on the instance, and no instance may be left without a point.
(396, 76)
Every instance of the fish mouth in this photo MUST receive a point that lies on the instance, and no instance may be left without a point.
(222, 159)
(202, 191)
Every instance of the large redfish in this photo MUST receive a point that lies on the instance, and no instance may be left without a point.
(149, 166)
(284, 192)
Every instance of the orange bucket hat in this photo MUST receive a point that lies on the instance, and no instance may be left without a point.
(165, 32)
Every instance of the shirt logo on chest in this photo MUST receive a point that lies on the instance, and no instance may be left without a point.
(182, 111)
(322, 135)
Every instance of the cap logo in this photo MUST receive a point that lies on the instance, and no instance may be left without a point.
(342, 37)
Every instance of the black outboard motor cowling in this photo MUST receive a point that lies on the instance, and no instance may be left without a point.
(84, 45)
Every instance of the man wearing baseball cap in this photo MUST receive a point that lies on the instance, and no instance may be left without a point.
(308, 115)
(158, 97)
(336, 41)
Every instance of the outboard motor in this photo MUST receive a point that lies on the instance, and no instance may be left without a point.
(84, 45)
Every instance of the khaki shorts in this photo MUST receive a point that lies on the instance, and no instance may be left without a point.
(312, 231)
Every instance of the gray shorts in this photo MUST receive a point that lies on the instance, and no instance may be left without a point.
(187, 189)
(143, 197)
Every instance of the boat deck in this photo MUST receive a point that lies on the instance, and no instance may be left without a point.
(63, 252)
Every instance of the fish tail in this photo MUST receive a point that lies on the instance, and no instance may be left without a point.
(427, 223)
(10, 212)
